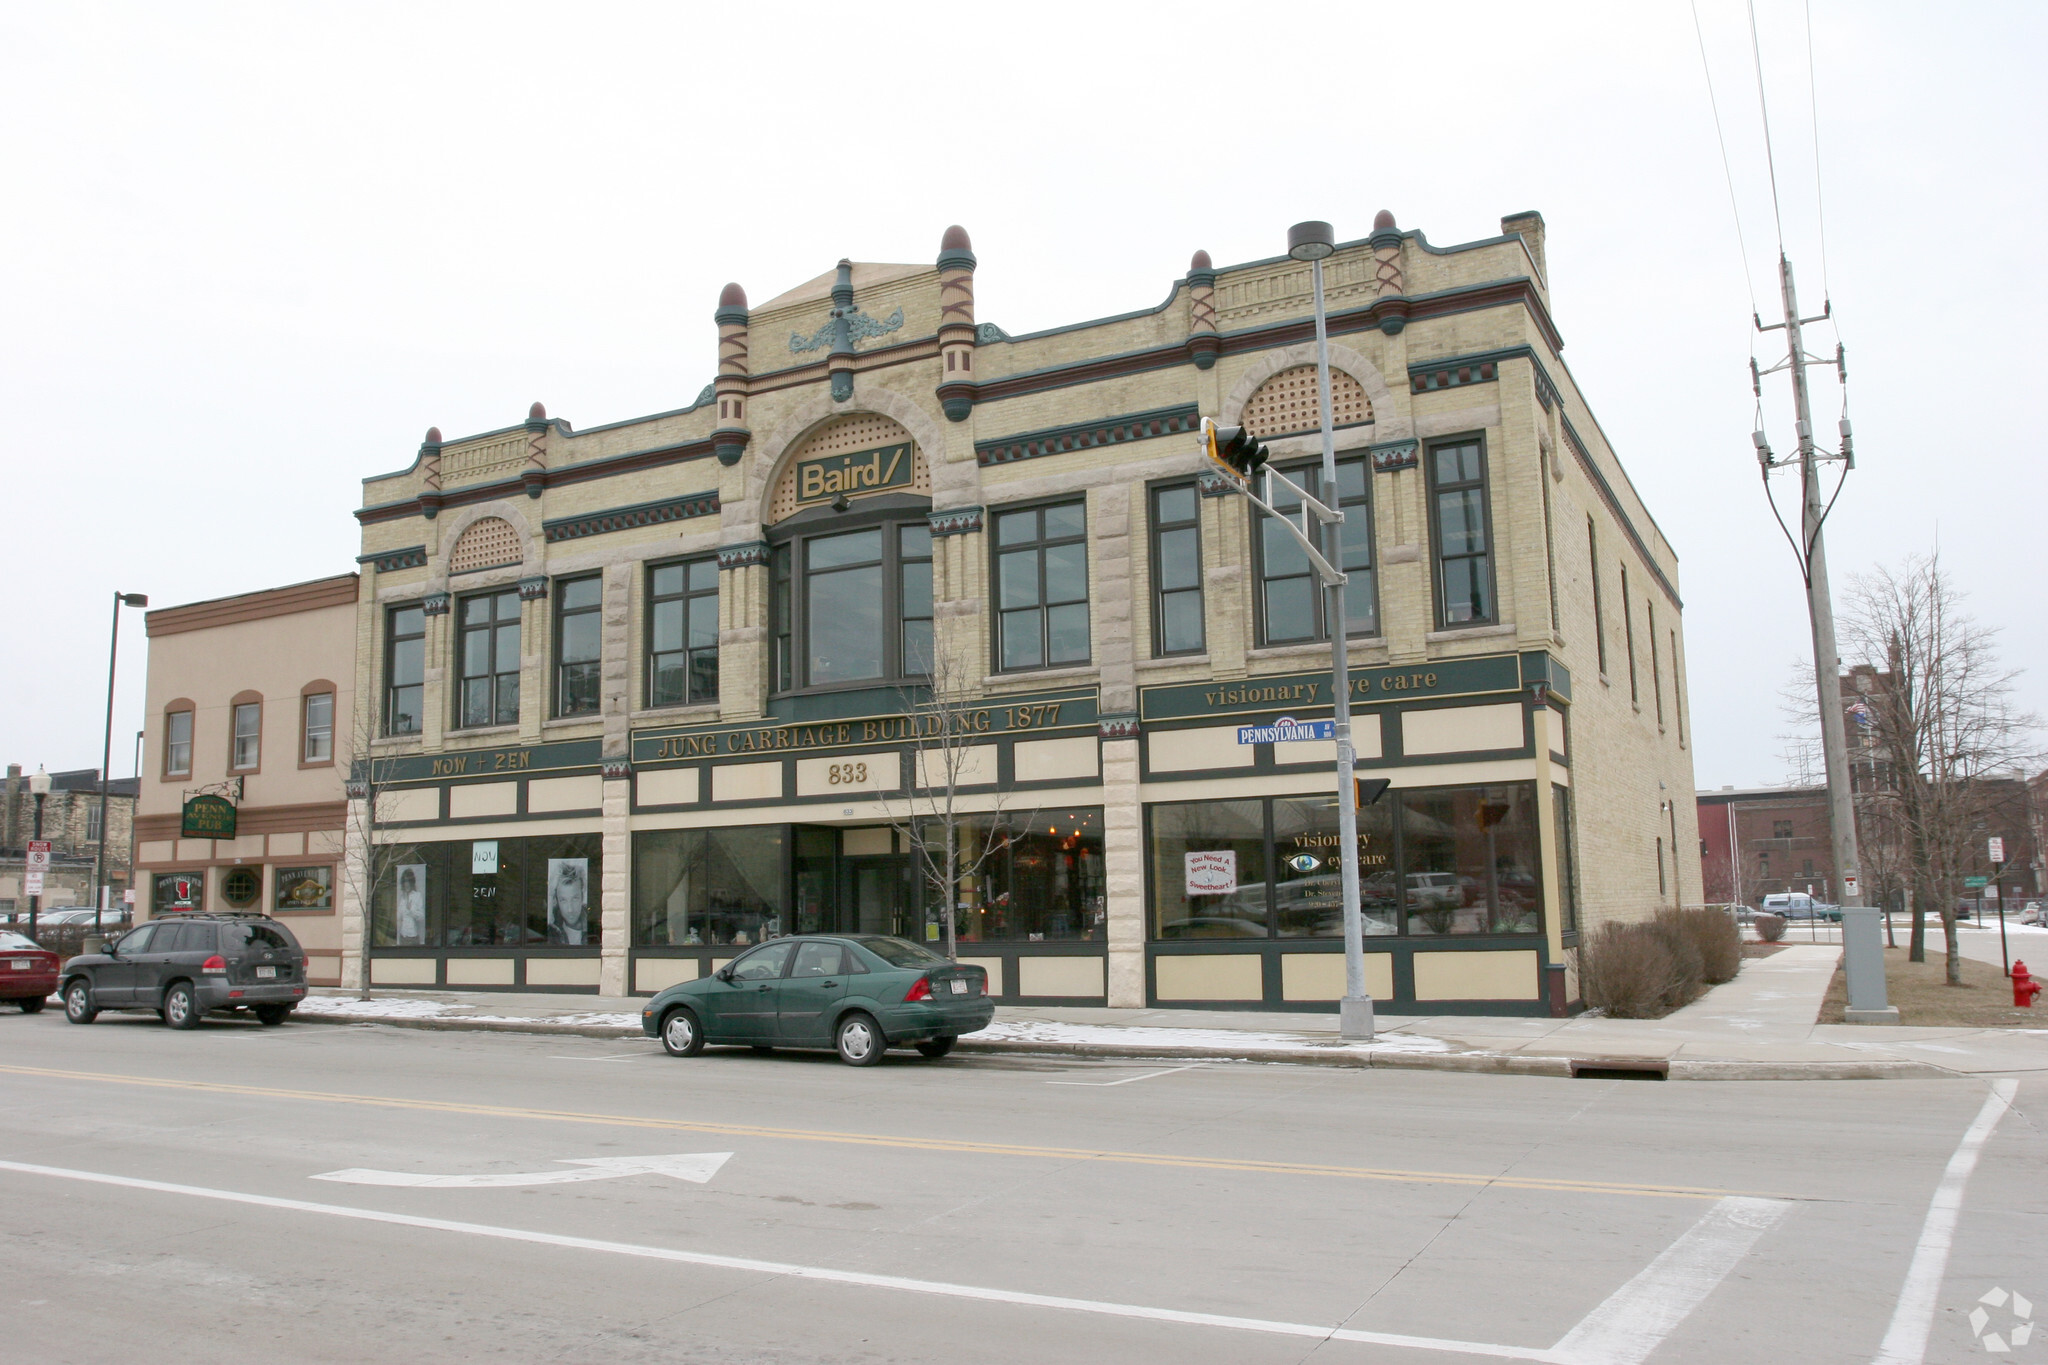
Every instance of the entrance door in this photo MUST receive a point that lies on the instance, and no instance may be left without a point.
(883, 899)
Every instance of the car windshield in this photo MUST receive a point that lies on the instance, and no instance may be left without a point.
(243, 934)
(10, 939)
(899, 952)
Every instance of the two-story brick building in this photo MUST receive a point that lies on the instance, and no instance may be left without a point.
(647, 692)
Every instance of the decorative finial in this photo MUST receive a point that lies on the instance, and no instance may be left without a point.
(1201, 262)
(433, 436)
(1382, 220)
(536, 413)
(732, 296)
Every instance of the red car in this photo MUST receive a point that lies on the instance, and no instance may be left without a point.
(28, 974)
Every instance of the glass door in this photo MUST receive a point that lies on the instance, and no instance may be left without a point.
(883, 897)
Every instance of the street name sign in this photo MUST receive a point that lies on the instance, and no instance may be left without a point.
(1287, 730)
(1976, 881)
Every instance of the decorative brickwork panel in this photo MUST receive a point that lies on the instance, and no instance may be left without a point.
(844, 436)
(500, 458)
(1286, 403)
(486, 545)
(1135, 426)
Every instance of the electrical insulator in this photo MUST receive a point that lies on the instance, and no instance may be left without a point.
(1848, 444)
(1763, 448)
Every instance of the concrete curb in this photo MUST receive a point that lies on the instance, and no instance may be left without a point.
(1475, 1063)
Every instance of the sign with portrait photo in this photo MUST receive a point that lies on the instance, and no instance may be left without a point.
(411, 881)
(568, 900)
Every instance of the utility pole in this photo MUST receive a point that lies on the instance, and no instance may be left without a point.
(1862, 946)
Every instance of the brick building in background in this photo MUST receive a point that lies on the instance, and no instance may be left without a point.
(1763, 840)
(71, 822)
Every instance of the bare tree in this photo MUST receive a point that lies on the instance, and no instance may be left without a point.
(951, 750)
(366, 865)
(1940, 722)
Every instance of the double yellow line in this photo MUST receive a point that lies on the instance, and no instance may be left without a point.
(922, 1144)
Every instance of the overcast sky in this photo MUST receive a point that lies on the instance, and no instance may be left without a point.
(251, 252)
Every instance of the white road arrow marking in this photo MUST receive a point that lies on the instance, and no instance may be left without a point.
(696, 1167)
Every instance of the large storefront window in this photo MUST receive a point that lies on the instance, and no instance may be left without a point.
(708, 886)
(1030, 879)
(477, 893)
(1469, 857)
(1209, 870)
(1449, 860)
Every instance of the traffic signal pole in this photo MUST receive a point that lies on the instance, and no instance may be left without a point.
(1354, 1012)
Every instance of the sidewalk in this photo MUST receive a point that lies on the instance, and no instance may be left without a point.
(1759, 1026)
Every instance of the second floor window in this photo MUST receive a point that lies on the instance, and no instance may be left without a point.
(246, 749)
(1042, 586)
(1293, 607)
(92, 823)
(488, 653)
(319, 728)
(852, 606)
(577, 619)
(178, 744)
(405, 669)
(1177, 571)
(682, 626)
(1463, 535)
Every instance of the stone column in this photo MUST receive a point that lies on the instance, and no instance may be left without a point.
(435, 710)
(956, 324)
(729, 439)
(742, 629)
(1203, 344)
(534, 644)
(1123, 865)
(613, 976)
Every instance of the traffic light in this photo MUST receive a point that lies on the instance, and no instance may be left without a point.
(1237, 450)
(1370, 789)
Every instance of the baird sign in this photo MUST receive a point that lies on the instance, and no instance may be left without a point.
(864, 471)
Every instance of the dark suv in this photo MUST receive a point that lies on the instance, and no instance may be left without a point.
(186, 966)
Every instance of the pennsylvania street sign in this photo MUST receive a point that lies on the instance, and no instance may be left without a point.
(1286, 730)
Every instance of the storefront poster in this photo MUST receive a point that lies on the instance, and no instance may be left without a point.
(1212, 873)
(568, 899)
(412, 904)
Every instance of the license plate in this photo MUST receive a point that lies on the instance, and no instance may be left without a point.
(266, 973)
(21, 964)
(959, 986)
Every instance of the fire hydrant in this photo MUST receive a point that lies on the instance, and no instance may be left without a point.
(2024, 987)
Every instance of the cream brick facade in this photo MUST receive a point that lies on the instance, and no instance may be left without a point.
(1443, 342)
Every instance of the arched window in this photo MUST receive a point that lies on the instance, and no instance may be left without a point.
(1286, 405)
(850, 559)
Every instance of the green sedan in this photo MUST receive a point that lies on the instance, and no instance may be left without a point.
(859, 995)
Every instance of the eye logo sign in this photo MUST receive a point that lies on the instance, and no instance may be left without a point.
(2018, 1334)
(1304, 862)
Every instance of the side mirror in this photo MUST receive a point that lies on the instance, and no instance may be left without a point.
(724, 974)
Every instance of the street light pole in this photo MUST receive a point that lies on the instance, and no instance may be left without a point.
(99, 876)
(1311, 242)
(39, 787)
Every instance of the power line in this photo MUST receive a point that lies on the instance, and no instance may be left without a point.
(1819, 202)
(1734, 209)
(1770, 159)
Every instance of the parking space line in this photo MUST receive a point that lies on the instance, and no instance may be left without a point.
(925, 1144)
(1905, 1341)
(1128, 1079)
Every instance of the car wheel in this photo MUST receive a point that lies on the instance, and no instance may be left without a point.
(78, 1006)
(859, 1040)
(270, 1016)
(680, 1034)
(937, 1047)
(181, 1006)
(32, 1005)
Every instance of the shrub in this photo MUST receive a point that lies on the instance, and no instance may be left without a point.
(1770, 928)
(1712, 935)
(1642, 970)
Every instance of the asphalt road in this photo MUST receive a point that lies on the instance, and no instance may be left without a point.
(161, 1202)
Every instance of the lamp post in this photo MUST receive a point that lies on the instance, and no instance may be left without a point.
(1312, 242)
(99, 876)
(39, 787)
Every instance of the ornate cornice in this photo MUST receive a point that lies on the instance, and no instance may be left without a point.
(534, 589)
(954, 521)
(743, 555)
(1118, 727)
(626, 518)
(1389, 456)
(435, 604)
(1135, 426)
(390, 561)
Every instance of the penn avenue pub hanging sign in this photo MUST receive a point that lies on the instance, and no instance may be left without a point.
(207, 816)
